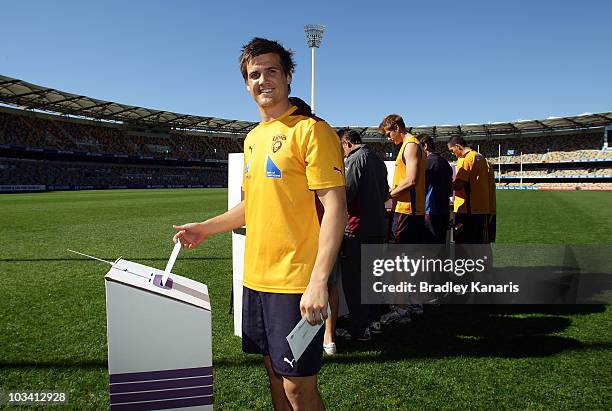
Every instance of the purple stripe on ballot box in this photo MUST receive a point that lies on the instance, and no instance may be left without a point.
(161, 395)
(162, 405)
(160, 375)
(123, 387)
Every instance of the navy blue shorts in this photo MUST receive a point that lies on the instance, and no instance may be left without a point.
(267, 319)
(409, 229)
(471, 228)
(492, 227)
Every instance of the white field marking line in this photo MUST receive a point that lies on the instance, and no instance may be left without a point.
(90, 256)
(114, 265)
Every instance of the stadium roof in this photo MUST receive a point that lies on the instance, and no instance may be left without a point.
(30, 96)
(33, 97)
(582, 121)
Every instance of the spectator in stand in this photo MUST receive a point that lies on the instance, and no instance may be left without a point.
(438, 180)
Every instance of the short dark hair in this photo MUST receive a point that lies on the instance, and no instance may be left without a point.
(425, 139)
(258, 46)
(350, 135)
(454, 140)
(390, 121)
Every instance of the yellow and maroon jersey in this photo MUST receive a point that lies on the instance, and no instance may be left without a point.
(474, 171)
(285, 160)
(413, 200)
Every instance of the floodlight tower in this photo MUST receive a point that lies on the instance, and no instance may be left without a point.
(314, 35)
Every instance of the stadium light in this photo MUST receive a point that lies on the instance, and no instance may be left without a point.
(314, 36)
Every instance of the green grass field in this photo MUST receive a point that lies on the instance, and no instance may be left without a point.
(53, 336)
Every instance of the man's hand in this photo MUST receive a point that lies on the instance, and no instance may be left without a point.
(190, 235)
(313, 304)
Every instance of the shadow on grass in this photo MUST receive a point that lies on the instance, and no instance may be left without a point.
(473, 331)
(244, 360)
(59, 364)
(21, 260)
(551, 309)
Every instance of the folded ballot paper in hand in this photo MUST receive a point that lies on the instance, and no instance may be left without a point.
(302, 334)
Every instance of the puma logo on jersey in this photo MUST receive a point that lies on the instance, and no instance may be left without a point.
(289, 362)
(338, 170)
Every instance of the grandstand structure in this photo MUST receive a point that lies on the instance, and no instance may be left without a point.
(54, 140)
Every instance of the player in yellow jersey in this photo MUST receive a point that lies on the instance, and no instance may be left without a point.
(408, 190)
(408, 194)
(471, 185)
(295, 212)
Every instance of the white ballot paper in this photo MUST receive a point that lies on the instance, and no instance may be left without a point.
(175, 251)
(302, 334)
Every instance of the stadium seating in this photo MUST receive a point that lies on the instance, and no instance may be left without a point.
(102, 175)
(106, 141)
(552, 172)
(36, 132)
(545, 148)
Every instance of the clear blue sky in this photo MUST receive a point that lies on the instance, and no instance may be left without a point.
(433, 62)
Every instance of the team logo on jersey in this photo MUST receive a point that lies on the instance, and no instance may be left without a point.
(247, 167)
(277, 142)
(272, 171)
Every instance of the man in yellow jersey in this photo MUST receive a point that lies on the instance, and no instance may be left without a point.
(294, 209)
(471, 185)
(408, 190)
(408, 194)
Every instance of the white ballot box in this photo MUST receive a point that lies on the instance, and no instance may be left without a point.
(159, 340)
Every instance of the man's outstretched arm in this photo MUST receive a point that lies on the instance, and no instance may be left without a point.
(192, 234)
(314, 300)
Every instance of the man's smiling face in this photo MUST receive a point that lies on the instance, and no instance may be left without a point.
(266, 81)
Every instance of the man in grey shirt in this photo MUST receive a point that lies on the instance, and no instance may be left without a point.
(366, 193)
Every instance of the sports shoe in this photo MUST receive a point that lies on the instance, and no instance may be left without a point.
(367, 336)
(330, 349)
(344, 333)
(397, 315)
(375, 327)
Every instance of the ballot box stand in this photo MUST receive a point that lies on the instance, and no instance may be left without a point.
(159, 340)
